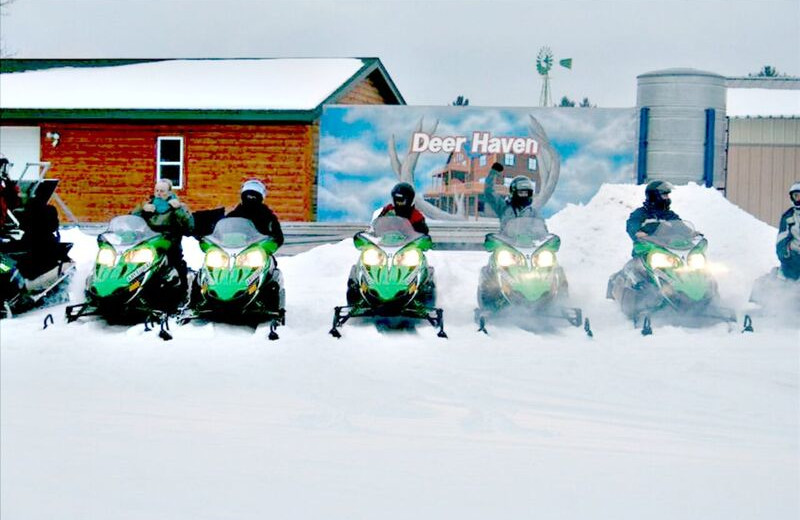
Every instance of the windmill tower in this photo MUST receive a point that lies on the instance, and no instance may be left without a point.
(544, 62)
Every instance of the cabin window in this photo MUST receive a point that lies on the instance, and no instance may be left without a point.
(533, 164)
(483, 160)
(170, 160)
(509, 159)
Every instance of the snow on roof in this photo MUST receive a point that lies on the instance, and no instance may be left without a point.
(236, 84)
(762, 102)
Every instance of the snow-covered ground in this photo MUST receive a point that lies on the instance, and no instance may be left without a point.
(110, 422)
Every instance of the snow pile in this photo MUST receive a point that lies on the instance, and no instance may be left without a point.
(110, 422)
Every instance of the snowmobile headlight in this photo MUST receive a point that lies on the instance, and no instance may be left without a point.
(373, 256)
(696, 261)
(217, 259)
(142, 255)
(662, 261)
(255, 259)
(106, 256)
(545, 259)
(409, 258)
(506, 258)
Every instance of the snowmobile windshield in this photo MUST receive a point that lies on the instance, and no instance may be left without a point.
(393, 231)
(524, 231)
(236, 233)
(128, 230)
(673, 234)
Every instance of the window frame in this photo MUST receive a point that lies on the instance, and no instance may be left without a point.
(535, 164)
(159, 163)
(509, 159)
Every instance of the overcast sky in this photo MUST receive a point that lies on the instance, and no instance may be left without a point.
(436, 49)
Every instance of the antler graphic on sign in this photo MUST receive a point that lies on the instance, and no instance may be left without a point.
(405, 173)
(549, 164)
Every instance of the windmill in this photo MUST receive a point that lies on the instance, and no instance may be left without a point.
(544, 62)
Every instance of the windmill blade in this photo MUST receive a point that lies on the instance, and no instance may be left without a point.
(566, 63)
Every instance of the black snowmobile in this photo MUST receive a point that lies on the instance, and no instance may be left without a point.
(239, 281)
(35, 267)
(132, 280)
(391, 281)
(669, 277)
(523, 283)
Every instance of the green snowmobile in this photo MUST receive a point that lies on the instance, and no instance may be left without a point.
(131, 279)
(523, 282)
(668, 275)
(391, 281)
(239, 281)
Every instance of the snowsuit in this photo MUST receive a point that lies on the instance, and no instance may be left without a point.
(262, 218)
(173, 223)
(501, 205)
(787, 245)
(647, 214)
(9, 199)
(416, 218)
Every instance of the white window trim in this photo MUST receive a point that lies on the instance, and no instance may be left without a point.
(509, 159)
(160, 163)
(535, 163)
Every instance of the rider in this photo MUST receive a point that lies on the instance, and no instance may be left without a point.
(9, 192)
(519, 202)
(403, 206)
(255, 210)
(654, 209)
(788, 242)
(166, 214)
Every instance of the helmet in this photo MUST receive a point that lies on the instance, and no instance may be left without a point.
(253, 191)
(795, 188)
(521, 191)
(403, 194)
(657, 194)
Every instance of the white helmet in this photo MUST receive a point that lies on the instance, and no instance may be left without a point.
(795, 188)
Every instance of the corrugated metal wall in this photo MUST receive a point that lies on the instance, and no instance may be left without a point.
(763, 161)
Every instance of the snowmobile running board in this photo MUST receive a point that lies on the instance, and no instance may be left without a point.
(724, 315)
(161, 318)
(574, 315)
(275, 319)
(434, 316)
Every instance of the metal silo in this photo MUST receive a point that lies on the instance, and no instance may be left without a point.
(681, 130)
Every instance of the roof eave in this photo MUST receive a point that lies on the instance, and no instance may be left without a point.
(216, 115)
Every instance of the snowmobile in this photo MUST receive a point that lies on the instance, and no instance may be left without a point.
(391, 281)
(132, 279)
(775, 295)
(239, 281)
(523, 282)
(668, 276)
(34, 271)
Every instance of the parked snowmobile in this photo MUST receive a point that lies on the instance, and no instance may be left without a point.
(523, 282)
(392, 278)
(239, 281)
(776, 296)
(131, 280)
(35, 266)
(668, 276)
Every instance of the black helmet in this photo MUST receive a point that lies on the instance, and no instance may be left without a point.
(403, 194)
(795, 188)
(657, 194)
(521, 191)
